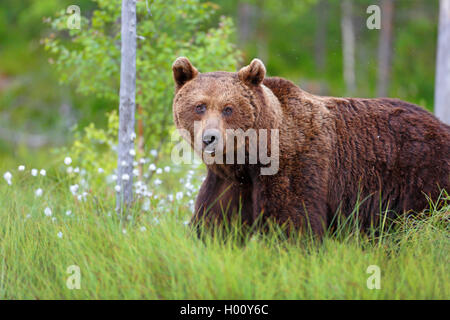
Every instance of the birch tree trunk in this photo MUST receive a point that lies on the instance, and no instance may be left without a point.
(348, 45)
(442, 85)
(321, 35)
(126, 106)
(385, 48)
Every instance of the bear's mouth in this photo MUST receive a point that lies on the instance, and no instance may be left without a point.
(210, 149)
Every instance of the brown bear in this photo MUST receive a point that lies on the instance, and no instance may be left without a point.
(332, 152)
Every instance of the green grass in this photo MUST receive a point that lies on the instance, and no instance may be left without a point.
(167, 262)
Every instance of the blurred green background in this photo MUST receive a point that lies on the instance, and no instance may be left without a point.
(55, 82)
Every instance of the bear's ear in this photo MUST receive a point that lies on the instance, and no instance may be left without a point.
(254, 73)
(183, 71)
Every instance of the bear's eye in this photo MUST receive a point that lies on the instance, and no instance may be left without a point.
(227, 111)
(201, 108)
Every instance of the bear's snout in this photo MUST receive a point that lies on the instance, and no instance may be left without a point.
(210, 139)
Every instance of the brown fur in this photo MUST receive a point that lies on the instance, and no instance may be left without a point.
(332, 150)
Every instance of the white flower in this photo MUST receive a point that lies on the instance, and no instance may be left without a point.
(60, 234)
(179, 195)
(142, 161)
(68, 213)
(143, 229)
(157, 182)
(21, 168)
(76, 170)
(43, 172)
(170, 197)
(117, 188)
(34, 172)
(74, 189)
(124, 231)
(67, 160)
(136, 172)
(100, 170)
(125, 177)
(8, 176)
(152, 167)
(154, 152)
(48, 212)
(158, 171)
(167, 169)
(38, 192)
(135, 163)
(69, 170)
(133, 136)
(132, 152)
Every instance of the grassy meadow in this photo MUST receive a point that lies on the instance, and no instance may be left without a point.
(152, 254)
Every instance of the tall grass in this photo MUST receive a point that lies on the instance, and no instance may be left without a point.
(146, 258)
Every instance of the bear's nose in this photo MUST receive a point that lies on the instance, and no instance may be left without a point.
(211, 137)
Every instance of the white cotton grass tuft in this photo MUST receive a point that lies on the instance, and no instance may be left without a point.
(43, 172)
(34, 172)
(117, 188)
(154, 152)
(74, 189)
(68, 212)
(125, 177)
(152, 167)
(38, 192)
(60, 234)
(8, 177)
(167, 169)
(48, 212)
(21, 168)
(67, 161)
(132, 152)
(100, 170)
(159, 171)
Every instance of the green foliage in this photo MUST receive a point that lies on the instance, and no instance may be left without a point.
(167, 30)
(148, 258)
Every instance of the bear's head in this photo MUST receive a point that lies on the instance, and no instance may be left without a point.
(208, 106)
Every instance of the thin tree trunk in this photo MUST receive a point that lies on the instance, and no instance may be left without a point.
(348, 46)
(127, 106)
(244, 21)
(321, 35)
(385, 47)
(442, 86)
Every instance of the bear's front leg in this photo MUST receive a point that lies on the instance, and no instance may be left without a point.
(291, 203)
(220, 200)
